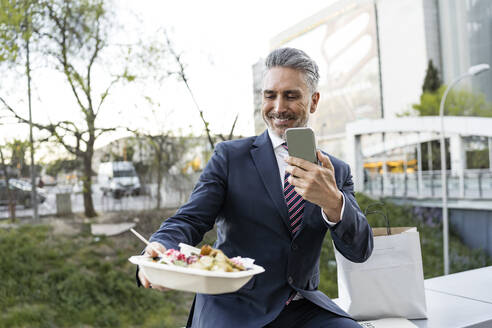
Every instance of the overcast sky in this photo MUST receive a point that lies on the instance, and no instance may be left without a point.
(221, 40)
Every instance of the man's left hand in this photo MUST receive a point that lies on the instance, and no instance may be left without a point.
(316, 184)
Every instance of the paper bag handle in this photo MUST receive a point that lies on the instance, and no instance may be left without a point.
(381, 212)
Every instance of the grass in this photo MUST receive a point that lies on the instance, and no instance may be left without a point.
(49, 280)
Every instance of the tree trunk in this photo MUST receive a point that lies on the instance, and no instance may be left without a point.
(89, 210)
(159, 179)
(11, 199)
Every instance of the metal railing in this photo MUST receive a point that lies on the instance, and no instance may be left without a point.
(477, 184)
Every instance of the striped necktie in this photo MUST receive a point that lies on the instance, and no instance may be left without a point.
(295, 203)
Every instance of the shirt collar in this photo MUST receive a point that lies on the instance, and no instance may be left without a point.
(275, 139)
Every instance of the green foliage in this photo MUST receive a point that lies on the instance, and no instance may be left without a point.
(129, 152)
(142, 169)
(477, 159)
(458, 103)
(69, 36)
(53, 281)
(128, 77)
(432, 82)
(12, 29)
(435, 155)
(115, 155)
(19, 149)
(63, 165)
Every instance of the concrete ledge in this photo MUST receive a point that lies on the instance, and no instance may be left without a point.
(111, 229)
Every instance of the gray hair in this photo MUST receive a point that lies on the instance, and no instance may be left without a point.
(296, 59)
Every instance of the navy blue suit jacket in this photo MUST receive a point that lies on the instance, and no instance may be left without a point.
(240, 191)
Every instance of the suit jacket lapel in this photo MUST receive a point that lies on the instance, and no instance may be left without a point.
(266, 164)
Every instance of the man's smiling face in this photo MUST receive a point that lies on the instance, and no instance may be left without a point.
(287, 100)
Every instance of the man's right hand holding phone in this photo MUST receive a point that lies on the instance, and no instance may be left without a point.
(152, 250)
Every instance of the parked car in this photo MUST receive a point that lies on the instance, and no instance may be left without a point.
(21, 190)
(118, 179)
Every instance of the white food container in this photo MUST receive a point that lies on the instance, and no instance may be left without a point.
(193, 280)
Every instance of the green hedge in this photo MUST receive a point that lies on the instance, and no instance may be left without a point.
(53, 281)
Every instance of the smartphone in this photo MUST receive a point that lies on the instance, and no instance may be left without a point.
(301, 143)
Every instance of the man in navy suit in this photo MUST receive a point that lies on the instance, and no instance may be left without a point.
(275, 209)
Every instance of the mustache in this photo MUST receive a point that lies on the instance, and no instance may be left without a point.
(281, 116)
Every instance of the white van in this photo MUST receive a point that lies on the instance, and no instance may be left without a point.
(118, 179)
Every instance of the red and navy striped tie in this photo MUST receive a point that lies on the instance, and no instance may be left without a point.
(295, 203)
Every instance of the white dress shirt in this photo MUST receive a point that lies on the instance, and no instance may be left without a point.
(280, 154)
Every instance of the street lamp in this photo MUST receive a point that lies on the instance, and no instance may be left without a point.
(472, 71)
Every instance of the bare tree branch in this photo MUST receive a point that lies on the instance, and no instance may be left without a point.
(101, 131)
(97, 48)
(18, 117)
(65, 125)
(69, 70)
(105, 94)
(51, 128)
(182, 75)
(233, 126)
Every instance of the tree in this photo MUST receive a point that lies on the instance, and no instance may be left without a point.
(18, 19)
(458, 103)
(432, 82)
(74, 37)
(18, 149)
(118, 155)
(63, 165)
(167, 150)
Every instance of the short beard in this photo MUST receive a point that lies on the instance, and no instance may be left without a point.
(302, 123)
